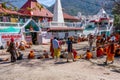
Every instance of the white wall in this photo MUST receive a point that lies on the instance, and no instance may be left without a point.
(61, 34)
(44, 37)
(71, 33)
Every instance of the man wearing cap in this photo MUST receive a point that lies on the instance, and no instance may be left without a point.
(12, 50)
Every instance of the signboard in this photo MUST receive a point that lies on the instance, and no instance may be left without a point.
(7, 37)
(28, 38)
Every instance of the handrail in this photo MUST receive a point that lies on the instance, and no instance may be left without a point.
(6, 24)
(56, 24)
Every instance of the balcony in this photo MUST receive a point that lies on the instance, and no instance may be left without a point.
(9, 24)
(56, 24)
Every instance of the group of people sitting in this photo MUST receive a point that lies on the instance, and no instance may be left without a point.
(108, 46)
(21, 45)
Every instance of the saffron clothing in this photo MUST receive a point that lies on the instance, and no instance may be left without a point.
(100, 52)
(88, 55)
(110, 54)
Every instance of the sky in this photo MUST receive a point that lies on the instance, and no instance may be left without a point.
(47, 2)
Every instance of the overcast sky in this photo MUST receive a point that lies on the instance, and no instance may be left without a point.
(47, 2)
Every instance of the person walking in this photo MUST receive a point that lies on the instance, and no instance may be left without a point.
(12, 50)
(56, 48)
(110, 53)
(70, 49)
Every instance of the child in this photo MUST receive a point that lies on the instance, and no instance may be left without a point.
(74, 53)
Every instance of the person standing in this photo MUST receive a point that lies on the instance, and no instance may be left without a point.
(110, 53)
(70, 50)
(12, 50)
(56, 48)
(51, 48)
(90, 40)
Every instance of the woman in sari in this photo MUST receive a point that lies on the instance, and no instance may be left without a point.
(51, 48)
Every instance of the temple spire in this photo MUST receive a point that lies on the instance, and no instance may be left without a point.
(58, 13)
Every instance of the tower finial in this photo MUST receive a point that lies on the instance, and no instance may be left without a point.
(58, 13)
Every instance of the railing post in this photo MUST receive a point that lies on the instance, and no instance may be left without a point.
(18, 24)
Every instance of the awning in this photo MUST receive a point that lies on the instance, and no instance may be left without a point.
(64, 29)
(10, 30)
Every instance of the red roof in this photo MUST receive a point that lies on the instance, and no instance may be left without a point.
(94, 21)
(104, 19)
(63, 29)
(3, 10)
(33, 4)
(69, 17)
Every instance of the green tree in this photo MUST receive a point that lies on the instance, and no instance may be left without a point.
(116, 12)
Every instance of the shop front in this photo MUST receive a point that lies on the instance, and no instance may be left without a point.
(31, 32)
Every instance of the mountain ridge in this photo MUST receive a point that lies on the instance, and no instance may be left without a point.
(72, 7)
(86, 7)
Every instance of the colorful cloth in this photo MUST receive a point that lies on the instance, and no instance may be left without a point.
(57, 52)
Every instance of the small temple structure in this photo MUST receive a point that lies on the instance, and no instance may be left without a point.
(100, 23)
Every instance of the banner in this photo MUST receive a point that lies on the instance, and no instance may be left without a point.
(7, 37)
(28, 38)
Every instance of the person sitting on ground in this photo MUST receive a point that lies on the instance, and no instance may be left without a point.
(22, 45)
(46, 54)
(88, 55)
(100, 52)
(31, 55)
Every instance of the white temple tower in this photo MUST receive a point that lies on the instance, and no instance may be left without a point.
(58, 13)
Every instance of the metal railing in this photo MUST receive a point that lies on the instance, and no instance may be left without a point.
(56, 24)
(9, 24)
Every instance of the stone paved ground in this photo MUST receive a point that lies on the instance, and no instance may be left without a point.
(48, 69)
